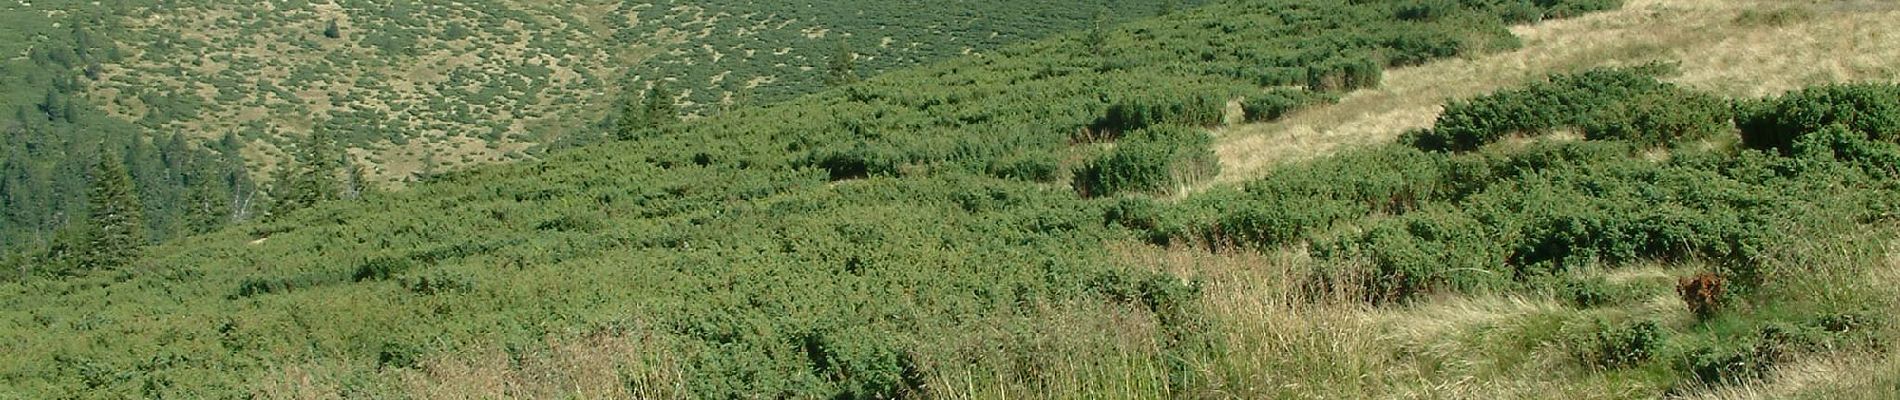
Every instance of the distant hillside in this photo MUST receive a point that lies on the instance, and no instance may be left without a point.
(433, 86)
(206, 100)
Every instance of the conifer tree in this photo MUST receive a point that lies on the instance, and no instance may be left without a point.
(660, 110)
(632, 116)
(655, 110)
(843, 67)
(115, 233)
(312, 177)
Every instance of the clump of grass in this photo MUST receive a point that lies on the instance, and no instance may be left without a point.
(1625, 345)
(1775, 18)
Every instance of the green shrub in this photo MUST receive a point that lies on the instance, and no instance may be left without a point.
(1150, 160)
(1520, 13)
(1295, 200)
(863, 367)
(438, 282)
(1560, 9)
(861, 160)
(569, 223)
(1277, 103)
(1661, 118)
(1772, 343)
(1275, 221)
(395, 354)
(1871, 110)
(381, 268)
(1728, 363)
(1426, 10)
(1626, 345)
(1153, 109)
(1774, 18)
(1840, 143)
(1134, 212)
(1417, 47)
(1560, 102)
(1423, 253)
(1595, 292)
(1032, 167)
(1344, 74)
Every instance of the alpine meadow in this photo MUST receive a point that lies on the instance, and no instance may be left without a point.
(1099, 199)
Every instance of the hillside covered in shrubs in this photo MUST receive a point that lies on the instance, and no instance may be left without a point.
(1020, 225)
(208, 102)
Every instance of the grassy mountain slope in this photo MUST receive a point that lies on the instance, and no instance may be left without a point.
(907, 234)
(205, 100)
(993, 227)
(439, 86)
(1735, 48)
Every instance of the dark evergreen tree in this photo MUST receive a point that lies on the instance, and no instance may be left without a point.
(655, 110)
(661, 112)
(311, 176)
(154, 186)
(632, 117)
(332, 31)
(205, 205)
(116, 225)
(843, 66)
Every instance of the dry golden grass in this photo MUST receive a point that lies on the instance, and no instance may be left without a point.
(1081, 351)
(1280, 341)
(597, 366)
(295, 382)
(1841, 377)
(1847, 40)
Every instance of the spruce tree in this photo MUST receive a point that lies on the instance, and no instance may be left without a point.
(115, 233)
(843, 67)
(632, 119)
(660, 110)
(312, 177)
(654, 111)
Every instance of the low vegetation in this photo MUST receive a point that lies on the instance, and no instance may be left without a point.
(208, 102)
(1011, 226)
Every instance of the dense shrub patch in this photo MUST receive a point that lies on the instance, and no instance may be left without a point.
(1662, 118)
(1871, 110)
(1277, 103)
(1147, 110)
(1563, 101)
(1625, 345)
(1352, 73)
(1150, 160)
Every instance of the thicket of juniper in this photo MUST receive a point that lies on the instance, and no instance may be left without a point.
(908, 229)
